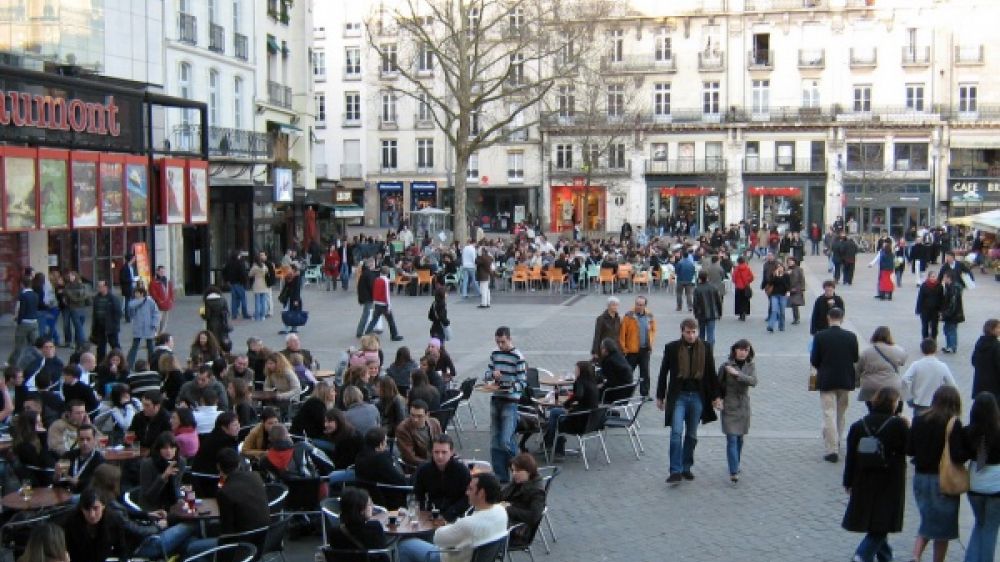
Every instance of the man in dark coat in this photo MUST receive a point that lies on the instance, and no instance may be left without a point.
(608, 325)
(128, 275)
(151, 421)
(227, 427)
(443, 480)
(106, 320)
(615, 370)
(845, 253)
(986, 360)
(689, 398)
(834, 353)
(365, 283)
(956, 268)
(823, 305)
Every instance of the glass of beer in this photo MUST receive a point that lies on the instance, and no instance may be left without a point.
(62, 468)
(102, 442)
(26, 491)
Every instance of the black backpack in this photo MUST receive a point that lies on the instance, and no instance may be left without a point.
(871, 453)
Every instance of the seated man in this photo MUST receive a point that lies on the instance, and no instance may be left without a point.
(75, 389)
(83, 460)
(190, 391)
(441, 483)
(293, 345)
(240, 369)
(46, 362)
(51, 399)
(227, 427)
(164, 345)
(415, 434)
(63, 433)
(207, 411)
(375, 463)
(151, 421)
(143, 379)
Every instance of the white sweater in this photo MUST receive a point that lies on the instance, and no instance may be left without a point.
(469, 532)
(924, 377)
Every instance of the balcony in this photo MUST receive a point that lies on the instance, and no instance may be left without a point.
(225, 143)
(187, 29)
(647, 63)
(690, 117)
(752, 165)
(782, 5)
(711, 62)
(388, 72)
(216, 38)
(278, 94)
(970, 54)
(423, 121)
(351, 119)
(864, 58)
(812, 58)
(887, 114)
(597, 171)
(916, 56)
(972, 111)
(351, 171)
(686, 166)
(240, 46)
(760, 59)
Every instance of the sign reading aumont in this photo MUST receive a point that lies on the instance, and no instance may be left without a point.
(24, 109)
(974, 189)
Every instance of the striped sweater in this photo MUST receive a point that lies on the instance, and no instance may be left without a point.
(513, 373)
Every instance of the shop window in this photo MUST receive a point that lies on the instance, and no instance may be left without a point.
(867, 156)
(910, 156)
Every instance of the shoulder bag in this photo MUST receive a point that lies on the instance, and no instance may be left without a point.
(895, 368)
(953, 479)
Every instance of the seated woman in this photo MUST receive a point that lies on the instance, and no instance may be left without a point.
(358, 530)
(115, 420)
(185, 429)
(31, 449)
(360, 414)
(585, 396)
(346, 443)
(113, 369)
(47, 543)
(138, 525)
(400, 369)
(239, 400)
(280, 378)
(205, 348)
(524, 498)
(309, 419)
(422, 389)
(391, 406)
(160, 474)
(256, 442)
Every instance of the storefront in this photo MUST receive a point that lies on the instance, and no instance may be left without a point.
(578, 204)
(970, 196)
(390, 203)
(691, 202)
(423, 194)
(498, 209)
(892, 206)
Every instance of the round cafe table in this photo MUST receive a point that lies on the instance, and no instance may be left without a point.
(122, 455)
(206, 508)
(40, 499)
(547, 378)
(405, 528)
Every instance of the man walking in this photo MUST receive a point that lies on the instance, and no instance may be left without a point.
(834, 353)
(381, 292)
(469, 269)
(366, 282)
(26, 329)
(127, 278)
(235, 274)
(509, 371)
(106, 320)
(684, 270)
(161, 290)
(707, 307)
(636, 337)
(607, 325)
(690, 397)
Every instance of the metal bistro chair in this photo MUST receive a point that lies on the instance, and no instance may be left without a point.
(331, 554)
(614, 394)
(526, 547)
(330, 512)
(274, 540)
(232, 552)
(255, 537)
(628, 420)
(205, 485)
(276, 494)
(585, 425)
(467, 387)
(548, 474)
(312, 275)
(445, 414)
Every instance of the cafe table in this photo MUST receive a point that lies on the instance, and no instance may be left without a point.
(112, 454)
(408, 527)
(264, 395)
(40, 498)
(548, 378)
(324, 374)
(205, 509)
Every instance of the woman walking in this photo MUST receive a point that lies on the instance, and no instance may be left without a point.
(981, 443)
(930, 300)
(878, 366)
(737, 375)
(877, 488)
(742, 278)
(258, 284)
(145, 323)
(899, 259)
(938, 512)
(886, 260)
(952, 311)
(778, 286)
(796, 288)
(438, 315)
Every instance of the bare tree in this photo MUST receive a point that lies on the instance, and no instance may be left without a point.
(492, 60)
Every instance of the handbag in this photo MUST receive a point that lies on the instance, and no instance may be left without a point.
(748, 291)
(812, 379)
(768, 289)
(294, 318)
(953, 479)
(895, 368)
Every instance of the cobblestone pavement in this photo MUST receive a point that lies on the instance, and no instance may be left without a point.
(787, 506)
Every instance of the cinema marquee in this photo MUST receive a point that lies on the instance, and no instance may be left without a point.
(24, 109)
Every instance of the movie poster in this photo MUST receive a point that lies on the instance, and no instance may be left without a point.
(137, 182)
(19, 175)
(54, 176)
(283, 189)
(112, 194)
(84, 175)
(198, 178)
(176, 210)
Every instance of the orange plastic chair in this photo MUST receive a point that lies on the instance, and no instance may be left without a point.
(520, 276)
(556, 278)
(401, 281)
(641, 278)
(423, 278)
(607, 275)
(535, 276)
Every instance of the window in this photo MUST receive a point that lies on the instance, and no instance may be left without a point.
(752, 162)
(213, 98)
(761, 96)
(472, 23)
(213, 11)
(184, 89)
(616, 100)
(515, 19)
(866, 156)
(237, 16)
(388, 108)
(515, 75)
(390, 61)
(710, 98)
(910, 156)
(390, 151)
(810, 93)
(567, 54)
(472, 171)
(616, 52)
(862, 99)
(661, 99)
(658, 152)
(352, 29)
(319, 64)
(564, 156)
(915, 97)
(423, 108)
(474, 124)
(713, 157)
(967, 94)
(785, 152)
(592, 155)
(516, 128)
(320, 100)
(515, 166)
(237, 103)
(662, 51)
(567, 101)
(352, 107)
(425, 154)
(425, 59)
(352, 62)
(616, 156)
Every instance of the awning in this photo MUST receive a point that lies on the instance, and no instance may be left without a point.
(958, 140)
(348, 212)
(989, 221)
(272, 45)
(289, 129)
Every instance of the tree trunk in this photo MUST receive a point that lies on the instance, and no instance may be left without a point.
(460, 226)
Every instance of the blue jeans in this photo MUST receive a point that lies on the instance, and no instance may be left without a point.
(706, 330)
(950, 330)
(469, 278)
(134, 350)
(503, 444)
(552, 424)
(684, 431)
(365, 311)
(734, 450)
(777, 317)
(172, 539)
(197, 546)
(345, 275)
(983, 540)
(48, 322)
(238, 301)
(417, 550)
(874, 546)
(259, 306)
(78, 316)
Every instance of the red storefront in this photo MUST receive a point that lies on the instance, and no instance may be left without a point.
(578, 203)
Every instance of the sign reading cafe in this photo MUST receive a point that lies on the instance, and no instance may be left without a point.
(974, 190)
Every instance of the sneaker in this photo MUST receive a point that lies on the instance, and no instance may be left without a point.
(734, 478)
(674, 478)
(282, 332)
(832, 457)
(688, 475)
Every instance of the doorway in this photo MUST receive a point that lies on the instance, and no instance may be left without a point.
(196, 259)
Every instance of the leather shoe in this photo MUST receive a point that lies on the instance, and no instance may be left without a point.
(832, 457)
(674, 478)
(688, 475)
(397, 338)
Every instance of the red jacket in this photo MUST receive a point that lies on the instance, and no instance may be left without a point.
(742, 276)
(380, 291)
(162, 296)
(331, 263)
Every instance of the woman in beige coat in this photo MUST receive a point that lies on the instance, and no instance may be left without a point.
(737, 375)
(879, 365)
(280, 377)
(258, 284)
